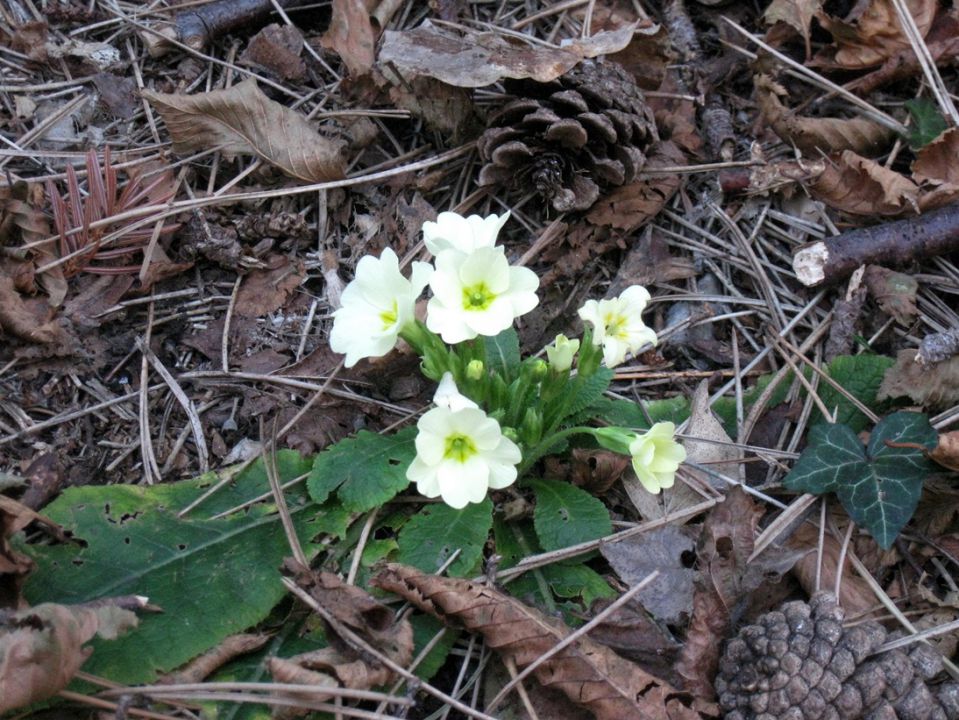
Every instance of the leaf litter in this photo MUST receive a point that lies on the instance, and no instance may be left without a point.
(235, 295)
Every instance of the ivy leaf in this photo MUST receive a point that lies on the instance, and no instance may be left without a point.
(366, 471)
(431, 537)
(878, 485)
(861, 376)
(928, 122)
(566, 515)
(502, 353)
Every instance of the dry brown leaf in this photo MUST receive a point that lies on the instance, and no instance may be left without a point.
(707, 443)
(798, 14)
(871, 32)
(859, 186)
(894, 291)
(630, 206)
(725, 580)
(351, 34)
(476, 59)
(937, 172)
(946, 452)
(264, 291)
(818, 135)
(935, 385)
(243, 121)
(22, 223)
(27, 321)
(855, 596)
(202, 666)
(277, 48)
(444, 108)
(590, 674)
(41, 648)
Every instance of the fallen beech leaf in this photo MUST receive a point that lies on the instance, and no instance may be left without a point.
(937, 176)
(935, 385)
(818, 135)
(894, 291)
(242, 120)
(946, 453)
(590, 674)
(264, 291)
(856, 185)
(202, 666)
(871, 33)
(855, 596)
(630, 206)
(351, 34)
(476, 59)
(22, 223)
(41, 648)
(724, 581)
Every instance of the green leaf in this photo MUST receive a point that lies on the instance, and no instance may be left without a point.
(566, 515)
(502, 353)
(211, 577)
(928, 122)
(589, 391)
(424, 628)
(431, 537)
(861, 376)
(366, 471)
(629, 414)
(880, 485)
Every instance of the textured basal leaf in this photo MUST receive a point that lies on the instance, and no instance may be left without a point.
(928, 124)
(627, 413)
(431, 537)
(590, 674)
(366, 471)
(566, 515)
(213, 578)
(589, 391)
(42, 648)
(880, 485)
(856, 185)
(502, 353)
(819, 135)
(243, 121)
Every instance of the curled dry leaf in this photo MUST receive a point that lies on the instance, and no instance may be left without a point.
(797, 14)
(590, 674)
(25, 320)
(41, 648)
(946, 452)
(476, 59)
(818, 135)
(871, 32)
(202, 666)
(243, 121)
(855, 596)
(22, 223)
(937, 172)
(894, 291)
(340, 665)
(935, 385)
(630, 206)
(277, 48)
(860, 186)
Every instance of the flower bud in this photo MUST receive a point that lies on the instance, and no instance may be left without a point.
(511, 434)
(535, 370)
(531, 428)
(616, 439)
(475, 369)
(561, 353)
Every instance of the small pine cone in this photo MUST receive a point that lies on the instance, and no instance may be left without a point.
(571, 138)
(799, 662)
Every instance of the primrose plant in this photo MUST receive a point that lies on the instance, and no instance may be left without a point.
(495, 414)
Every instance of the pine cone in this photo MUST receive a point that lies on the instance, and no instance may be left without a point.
(570, 138)
(801, 664)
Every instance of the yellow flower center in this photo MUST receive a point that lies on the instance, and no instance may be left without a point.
(388, 317)
(615, 325)
(459, 448)
(477, 297)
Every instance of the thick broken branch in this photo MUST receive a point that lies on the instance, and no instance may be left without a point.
(894, 243)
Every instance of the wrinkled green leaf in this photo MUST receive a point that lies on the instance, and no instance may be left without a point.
(861, 376)
(567, 515)
(431, 537)
(629, 414)
(878, 485)
(365, 471)
(590, 391)
(211, 577)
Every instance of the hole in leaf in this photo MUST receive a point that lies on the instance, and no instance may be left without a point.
(126, 541)
(724, 547)
(181, 547)
(687, 558)
(393, 461)
(563, 514)
(78, 562)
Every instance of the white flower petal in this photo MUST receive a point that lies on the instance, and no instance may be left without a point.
(425, 478)
(448, 395)
(463, 483)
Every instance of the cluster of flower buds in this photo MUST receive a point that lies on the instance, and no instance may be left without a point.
(486, 436)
